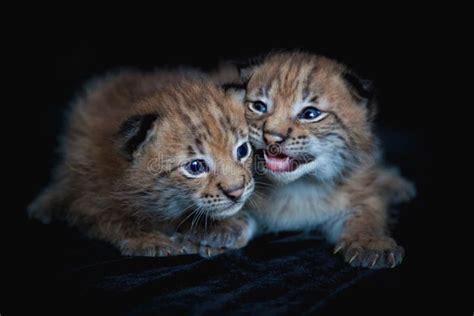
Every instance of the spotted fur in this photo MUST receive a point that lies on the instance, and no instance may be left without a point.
(339, 184)
(122, 180)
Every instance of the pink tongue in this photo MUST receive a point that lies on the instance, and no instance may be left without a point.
(278, 164)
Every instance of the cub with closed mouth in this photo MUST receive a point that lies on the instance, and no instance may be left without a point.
(150, 162)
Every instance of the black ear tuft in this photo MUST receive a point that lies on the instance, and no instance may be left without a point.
(246, 73)
(133, 132)
(361, 89)
(248, 67)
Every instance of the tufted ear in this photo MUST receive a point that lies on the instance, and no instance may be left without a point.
(227, 77)
(246, 72)
(134, 133)
(248, 67)
(362, 90)
(235, 90)
(226, 72)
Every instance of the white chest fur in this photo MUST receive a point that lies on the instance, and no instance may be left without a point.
(301, 205)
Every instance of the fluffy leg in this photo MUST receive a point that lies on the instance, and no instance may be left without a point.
(364, 241)
(156, 245)
(133, 239)
(132, 235)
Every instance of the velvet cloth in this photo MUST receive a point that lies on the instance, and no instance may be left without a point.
(275, 274)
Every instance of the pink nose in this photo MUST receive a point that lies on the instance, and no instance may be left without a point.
(235, 194)
(273, 137)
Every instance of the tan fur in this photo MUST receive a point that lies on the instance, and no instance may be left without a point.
(141, 201)
(343, 189)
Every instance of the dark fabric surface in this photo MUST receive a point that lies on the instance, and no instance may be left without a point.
(279, 274)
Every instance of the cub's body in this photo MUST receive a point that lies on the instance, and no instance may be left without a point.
(125, 177)
(319, 166)
(307, 204)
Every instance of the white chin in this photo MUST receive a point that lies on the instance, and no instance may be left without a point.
(290, 176)
(227, 212)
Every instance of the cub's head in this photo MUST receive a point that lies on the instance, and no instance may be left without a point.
(308, 115)
(186, 152)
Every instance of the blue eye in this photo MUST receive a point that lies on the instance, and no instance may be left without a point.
(243, 151)
(258, 106)
(309, 113)
(196, 167)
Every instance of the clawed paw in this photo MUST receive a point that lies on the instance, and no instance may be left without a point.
(209, 252)
(233, 233)
(157, 247)
(374, 253)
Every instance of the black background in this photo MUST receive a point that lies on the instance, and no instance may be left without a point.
(397, 56)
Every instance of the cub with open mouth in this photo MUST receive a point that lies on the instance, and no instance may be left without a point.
(150, 162)
(318, 162)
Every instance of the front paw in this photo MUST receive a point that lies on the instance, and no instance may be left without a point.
(157, 246)
(209, 252)
(370, 252)
(232, 233)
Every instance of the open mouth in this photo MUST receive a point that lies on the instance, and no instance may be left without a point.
(280, 162)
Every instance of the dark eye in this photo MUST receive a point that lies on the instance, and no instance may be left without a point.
(243, 150)
(196, 167)
(309, 113)
(258, 106)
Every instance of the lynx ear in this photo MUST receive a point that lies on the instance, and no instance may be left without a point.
(238, 88)
(361, 89)
(234, 72)
(134, 133)
(226, 72)
(235, 90)
(246, 73)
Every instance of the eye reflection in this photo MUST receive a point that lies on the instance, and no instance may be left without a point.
(196, 167)
(309, 114)
(243, 151)
(258, 107)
